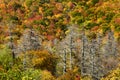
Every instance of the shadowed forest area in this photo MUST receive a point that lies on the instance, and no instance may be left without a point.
(59, 39)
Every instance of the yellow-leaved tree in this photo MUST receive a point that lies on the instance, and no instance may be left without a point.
(40, 59)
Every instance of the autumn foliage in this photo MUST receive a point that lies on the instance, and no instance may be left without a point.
(56, 39)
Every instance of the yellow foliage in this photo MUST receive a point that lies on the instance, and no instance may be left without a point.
(67, 32)
(75, 69)
(40, 10)
(113, 75)
(42, 59)
(86, 78)
(58, 15)
(2, 46)
(67, 76)
(46, 75)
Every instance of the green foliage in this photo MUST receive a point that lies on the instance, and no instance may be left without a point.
(7, 70)
(105, 28)
(28, 2)
(48, 12)
(31, 74)
(61, 13)
(95, 1)
(44, 1)
(90, 25)
(5, 58)
(51, 18)
(14, 18)
(12, 74)
(16, 6)
(58, 0)
(109, 16)
(92, 35)
(17, 71)
(75, 14)
(40, 22)
(117, 27)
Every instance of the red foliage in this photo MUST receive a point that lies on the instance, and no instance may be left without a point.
(37, 17)
(50, 37)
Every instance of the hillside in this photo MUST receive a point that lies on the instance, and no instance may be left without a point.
(59, 38)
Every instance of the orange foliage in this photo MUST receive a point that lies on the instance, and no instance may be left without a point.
(42, 59)
(117, 20)
(95, 28)
(59, 6)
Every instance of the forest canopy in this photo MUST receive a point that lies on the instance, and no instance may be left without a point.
(59, 39)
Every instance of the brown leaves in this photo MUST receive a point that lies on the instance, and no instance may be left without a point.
(117, 20)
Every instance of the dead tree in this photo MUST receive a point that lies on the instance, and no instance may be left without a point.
(29, 41)
(94, 59)
(110, 47)
(65, 61)
(99, 56)
(11, 43)
(85, 55)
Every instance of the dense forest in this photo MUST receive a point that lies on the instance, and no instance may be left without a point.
(59, 40)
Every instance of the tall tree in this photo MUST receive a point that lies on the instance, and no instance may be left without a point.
(85, 55)
(11, 43)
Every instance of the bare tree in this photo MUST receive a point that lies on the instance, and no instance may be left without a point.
(29, 41)
(85, 55)
(70, 42)
(65, 61)
(95, 57)
(67, 47)
(11, 43)
(110, 47)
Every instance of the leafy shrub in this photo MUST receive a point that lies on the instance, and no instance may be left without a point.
(5, 58)
(41, 60)
(31, 74)
(28, 2)
(46, 75)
